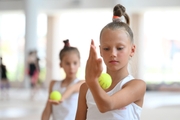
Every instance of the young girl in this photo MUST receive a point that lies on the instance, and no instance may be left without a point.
(123, 100)
(68, 87)
(33, 71)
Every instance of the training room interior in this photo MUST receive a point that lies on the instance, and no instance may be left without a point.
(42, 25)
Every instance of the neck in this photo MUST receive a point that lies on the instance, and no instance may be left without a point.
(68, 80)
(118, 75)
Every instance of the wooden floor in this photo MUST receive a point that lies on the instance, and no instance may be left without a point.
(157, 105)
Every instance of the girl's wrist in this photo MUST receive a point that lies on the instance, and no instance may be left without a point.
(91, 82)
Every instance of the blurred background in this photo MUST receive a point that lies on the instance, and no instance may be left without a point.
(42, 25)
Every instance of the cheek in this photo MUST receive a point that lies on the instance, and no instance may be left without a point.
(105, 55)
(123, 55)
(77, 66)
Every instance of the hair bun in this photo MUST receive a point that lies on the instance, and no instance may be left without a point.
(119, 10)
(66, 43)
(123, 9)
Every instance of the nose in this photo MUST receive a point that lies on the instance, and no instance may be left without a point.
(71, 66)
(113, 52)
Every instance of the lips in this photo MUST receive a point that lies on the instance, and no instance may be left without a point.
(71, 72)
(113, 61)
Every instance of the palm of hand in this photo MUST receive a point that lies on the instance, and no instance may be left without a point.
(54, 102)
(93, 65)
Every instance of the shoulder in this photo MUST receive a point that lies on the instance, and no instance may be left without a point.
(52, 84)
(137, 81)
(83, 88)
(136, 88)
(136, 84)
(78, 81)
(83, 92)
(81, 81)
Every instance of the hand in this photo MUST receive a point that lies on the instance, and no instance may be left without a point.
(93, 65)
(55, 102)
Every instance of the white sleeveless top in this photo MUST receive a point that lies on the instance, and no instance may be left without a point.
(67, 109)
(129, 112)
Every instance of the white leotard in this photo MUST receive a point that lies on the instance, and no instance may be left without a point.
(129, 112)
(67, 109)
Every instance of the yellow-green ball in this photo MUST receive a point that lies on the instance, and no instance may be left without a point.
(105, 80)
(55, 95)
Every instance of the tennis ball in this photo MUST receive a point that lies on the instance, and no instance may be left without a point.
(55, 95)
(105, 80)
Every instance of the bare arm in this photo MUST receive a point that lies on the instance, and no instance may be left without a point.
(48, 108)
(82, 107)
(131, 92)
(68, 92)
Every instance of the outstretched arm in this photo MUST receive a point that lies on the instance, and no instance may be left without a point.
(48, 108)
(68, 92)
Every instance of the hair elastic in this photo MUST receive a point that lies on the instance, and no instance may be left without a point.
(116, 18)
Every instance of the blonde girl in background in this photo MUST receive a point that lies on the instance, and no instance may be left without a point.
(68, 87)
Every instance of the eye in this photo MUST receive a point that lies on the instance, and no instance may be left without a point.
(106, 49)
(75, 63)
(67, 63)
(120, 48)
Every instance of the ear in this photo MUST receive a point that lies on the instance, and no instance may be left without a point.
(133, 49)
(100, 50)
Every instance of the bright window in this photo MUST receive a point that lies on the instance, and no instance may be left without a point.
(12, 31)
(162, 53)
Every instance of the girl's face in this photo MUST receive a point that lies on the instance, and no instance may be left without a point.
(116, 48)
(70, 63)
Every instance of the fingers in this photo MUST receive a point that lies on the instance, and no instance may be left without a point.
(100, 64)
(54, 102)
(90, 51)
(93, 53)
(92, 42)
(95, 56)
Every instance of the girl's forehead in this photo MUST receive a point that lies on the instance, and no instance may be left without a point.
(120, 31)
(71, 55)
(117, 35)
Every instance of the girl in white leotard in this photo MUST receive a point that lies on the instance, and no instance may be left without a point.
(68, 87)
(123, 100)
